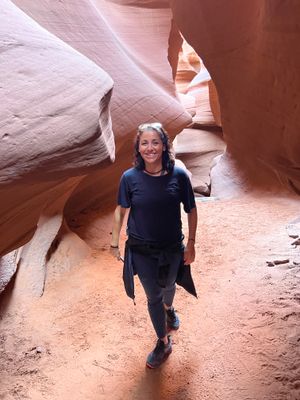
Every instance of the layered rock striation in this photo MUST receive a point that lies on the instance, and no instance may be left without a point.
(55, 122)
(78, 77)
(250, 50)
(60, 63)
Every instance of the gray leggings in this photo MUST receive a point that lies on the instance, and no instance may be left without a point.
(147, 270)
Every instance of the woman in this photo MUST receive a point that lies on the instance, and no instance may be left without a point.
(153, 190)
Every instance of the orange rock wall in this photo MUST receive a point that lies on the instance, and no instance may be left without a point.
(60, 117)
(62, 124)
(130, 42)
(50, 125)
(251, 51)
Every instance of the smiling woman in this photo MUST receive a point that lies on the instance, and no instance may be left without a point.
(153, 149)
(153, 191)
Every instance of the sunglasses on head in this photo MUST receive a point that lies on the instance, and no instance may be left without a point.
(150, 125)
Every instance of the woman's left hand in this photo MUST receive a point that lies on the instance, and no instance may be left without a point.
(189, 253)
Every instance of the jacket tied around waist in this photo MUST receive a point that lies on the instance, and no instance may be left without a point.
(161, 252)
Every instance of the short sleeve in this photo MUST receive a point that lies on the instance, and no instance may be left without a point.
(187, 194)
(124, 193)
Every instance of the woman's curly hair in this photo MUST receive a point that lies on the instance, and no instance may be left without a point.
(168, 157)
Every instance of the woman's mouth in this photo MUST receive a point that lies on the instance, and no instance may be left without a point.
(150, 155)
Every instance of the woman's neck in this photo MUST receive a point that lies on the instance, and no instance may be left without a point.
(153, 168)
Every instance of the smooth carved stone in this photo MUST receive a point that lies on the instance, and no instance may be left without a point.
(187, 68)
(51, 125)
(249, 50)
(34, 254)
(131, 44)
(55, 122)
(198, 149)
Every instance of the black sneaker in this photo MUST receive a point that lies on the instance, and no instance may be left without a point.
(172, 319)
(159, 354)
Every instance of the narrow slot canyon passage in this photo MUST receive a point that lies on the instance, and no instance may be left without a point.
(198, 145)
(78, 78)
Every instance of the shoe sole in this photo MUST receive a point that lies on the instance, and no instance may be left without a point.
(157, 366)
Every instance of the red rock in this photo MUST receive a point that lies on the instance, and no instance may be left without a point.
(249, 49)
(197, 149)
(51, 125)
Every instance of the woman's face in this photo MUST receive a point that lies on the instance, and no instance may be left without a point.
(151, 147)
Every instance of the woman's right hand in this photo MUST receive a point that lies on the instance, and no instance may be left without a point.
(119, 215)
(115, 252)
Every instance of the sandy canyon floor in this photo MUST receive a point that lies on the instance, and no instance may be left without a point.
(240, 340)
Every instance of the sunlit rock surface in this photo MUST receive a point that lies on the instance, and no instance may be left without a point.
(130, 42)
(250, 50)
(54, 120)
(188, 67)
(60, 61)
(197, 149)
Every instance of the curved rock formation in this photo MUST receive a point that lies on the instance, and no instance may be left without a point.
(56, 126)
(188, 67)
(131, 44)
(56, 138)
(198, 149)
(250, 51)
(54, 118)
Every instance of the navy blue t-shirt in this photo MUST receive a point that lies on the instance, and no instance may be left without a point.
(154, 203)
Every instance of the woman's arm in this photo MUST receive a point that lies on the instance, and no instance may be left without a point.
(118, 219)
(189, 252)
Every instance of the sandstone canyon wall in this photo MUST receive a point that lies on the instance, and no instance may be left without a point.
(129, 40)
(55, 122)
(251, 51)
(62, 124)
(61, 60)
